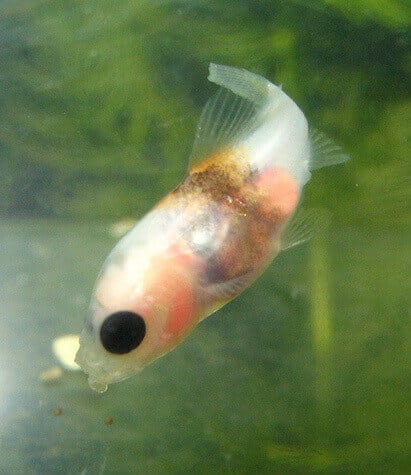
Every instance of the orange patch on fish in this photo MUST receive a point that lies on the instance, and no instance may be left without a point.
(181, 310)
(176, 290)
(280, 192)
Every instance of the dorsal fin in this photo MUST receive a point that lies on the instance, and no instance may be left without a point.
(225, 119)
(324, 151)
(234, 111)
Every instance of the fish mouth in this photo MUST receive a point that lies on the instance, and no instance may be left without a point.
(89, 362)
(102, 368)
(96, 379)
(94, 363)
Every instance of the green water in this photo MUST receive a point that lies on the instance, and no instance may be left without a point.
(308, 370)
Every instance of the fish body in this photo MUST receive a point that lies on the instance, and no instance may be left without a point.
(212, 236)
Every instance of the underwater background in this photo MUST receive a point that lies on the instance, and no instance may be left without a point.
(306, 372)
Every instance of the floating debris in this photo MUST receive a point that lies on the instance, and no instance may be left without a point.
(120, 228)
(108, 420)
(51, 375)
(65, 348)
(58, 411)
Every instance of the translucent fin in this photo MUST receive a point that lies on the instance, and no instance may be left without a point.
(225, 291)
(250, 86)
(324, 151)
(237, 109)
(303, 225)
(225, 119)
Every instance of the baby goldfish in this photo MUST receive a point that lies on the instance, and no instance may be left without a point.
(212, 236)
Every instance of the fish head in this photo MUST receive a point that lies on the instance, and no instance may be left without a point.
(141, 308)
(109, 346)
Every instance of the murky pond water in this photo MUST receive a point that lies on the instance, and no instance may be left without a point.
(308, 370)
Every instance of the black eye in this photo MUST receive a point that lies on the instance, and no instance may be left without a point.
(122, 331)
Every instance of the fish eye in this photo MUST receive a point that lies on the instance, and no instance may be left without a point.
(122, 332)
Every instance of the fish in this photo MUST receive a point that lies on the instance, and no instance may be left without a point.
(212, 236)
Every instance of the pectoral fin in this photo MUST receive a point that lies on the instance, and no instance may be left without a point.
(302, 226)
